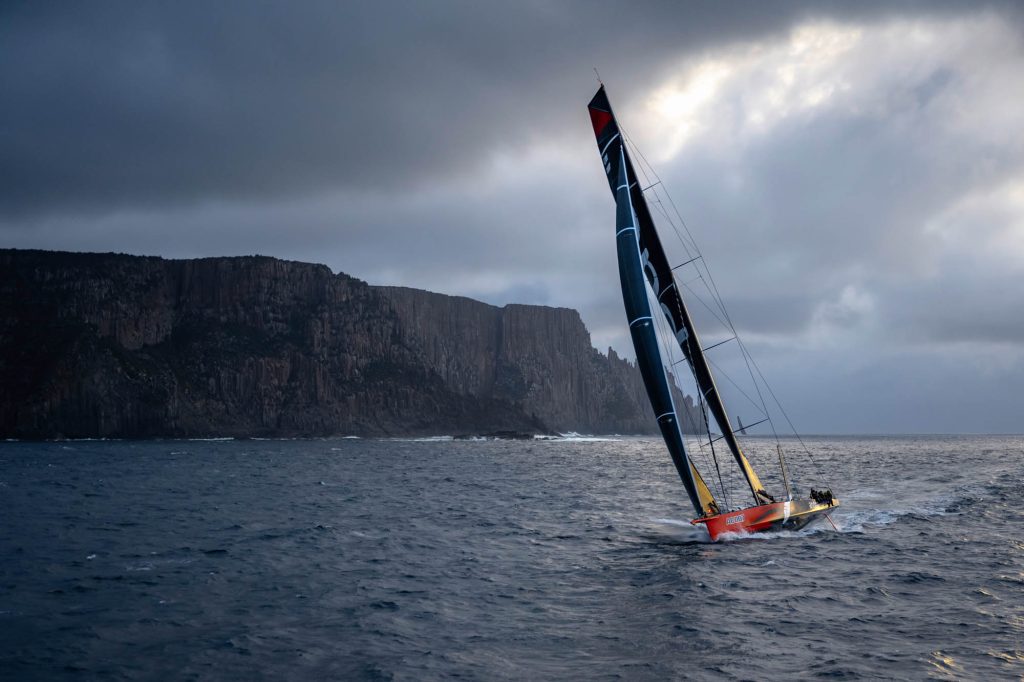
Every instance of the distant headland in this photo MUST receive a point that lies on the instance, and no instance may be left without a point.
(103, 345)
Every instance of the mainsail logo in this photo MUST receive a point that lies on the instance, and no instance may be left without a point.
(681, 334)
(652, 274)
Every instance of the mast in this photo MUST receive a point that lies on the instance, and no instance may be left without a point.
(658, 273)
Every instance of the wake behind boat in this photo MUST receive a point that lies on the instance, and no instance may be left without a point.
(645, 275)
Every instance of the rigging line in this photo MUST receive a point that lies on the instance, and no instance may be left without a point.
(648, 167)
(661, 326)
(661, 339)
(718, 469)
(728, 378)
(713, 289)
(673, 348)
(722, 490)
(778, 404)
(697, 438)
(729, 324)
(788, 421)
(644, 168)
(716, 295)
(656, 200)
(669, 197)
(704, 455)
(716, 299)
(748, 359)
(703, 303)
(679, 215)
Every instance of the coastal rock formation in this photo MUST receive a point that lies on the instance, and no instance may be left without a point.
(109, 345)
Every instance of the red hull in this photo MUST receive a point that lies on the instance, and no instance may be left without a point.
(775, 516)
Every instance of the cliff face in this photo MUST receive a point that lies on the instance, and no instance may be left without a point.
(106, 345)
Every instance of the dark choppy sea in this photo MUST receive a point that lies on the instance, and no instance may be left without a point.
(352, 559)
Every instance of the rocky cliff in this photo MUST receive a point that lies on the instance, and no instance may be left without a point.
(109, 345)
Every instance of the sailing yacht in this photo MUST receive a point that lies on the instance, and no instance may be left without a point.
(645, 276)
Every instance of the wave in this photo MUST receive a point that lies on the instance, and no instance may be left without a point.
(573, 437)
(859, 520)
(683, 531)
(854, 520)
(570, 437)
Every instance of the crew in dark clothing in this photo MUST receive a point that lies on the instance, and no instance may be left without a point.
(822, 497)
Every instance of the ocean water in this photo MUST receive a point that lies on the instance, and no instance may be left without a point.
(499, 560)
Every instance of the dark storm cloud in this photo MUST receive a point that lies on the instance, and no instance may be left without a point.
(118, 105)
(853, 171)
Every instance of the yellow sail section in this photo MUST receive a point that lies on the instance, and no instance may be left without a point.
(755, 482)
(707, 500)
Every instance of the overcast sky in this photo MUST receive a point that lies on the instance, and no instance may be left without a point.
(854, 172)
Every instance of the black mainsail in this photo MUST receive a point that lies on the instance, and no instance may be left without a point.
(642, 257)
